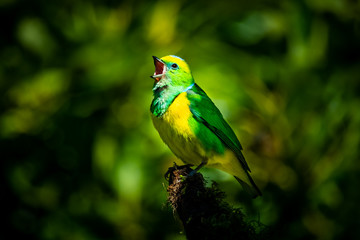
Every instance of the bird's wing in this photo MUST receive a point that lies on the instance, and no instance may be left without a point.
(205, 112)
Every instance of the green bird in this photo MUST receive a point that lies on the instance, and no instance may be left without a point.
(192, 126)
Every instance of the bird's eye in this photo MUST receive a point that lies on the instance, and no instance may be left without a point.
(174, 65)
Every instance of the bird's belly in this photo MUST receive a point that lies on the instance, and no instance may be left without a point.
(175, 131)
(183, 145)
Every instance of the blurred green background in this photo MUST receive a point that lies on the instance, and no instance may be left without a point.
(80, 158)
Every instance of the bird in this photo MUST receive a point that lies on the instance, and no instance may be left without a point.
(192, 126)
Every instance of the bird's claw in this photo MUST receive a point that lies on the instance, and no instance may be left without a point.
(169, 172)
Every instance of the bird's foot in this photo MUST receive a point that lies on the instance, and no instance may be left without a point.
(170, 171)
(193, 172)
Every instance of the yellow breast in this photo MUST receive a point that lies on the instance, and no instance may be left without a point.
(178, 114)
(175, 131)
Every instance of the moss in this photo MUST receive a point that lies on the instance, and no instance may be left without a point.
(203, 211)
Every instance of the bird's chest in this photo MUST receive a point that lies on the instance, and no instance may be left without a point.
(176, 128)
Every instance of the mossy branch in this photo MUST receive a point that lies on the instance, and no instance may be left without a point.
(202, 210)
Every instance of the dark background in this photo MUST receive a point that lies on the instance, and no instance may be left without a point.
(80, 158)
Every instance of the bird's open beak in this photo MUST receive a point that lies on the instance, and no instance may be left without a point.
(160, 69)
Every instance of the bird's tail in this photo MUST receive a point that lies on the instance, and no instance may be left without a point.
(252, 189)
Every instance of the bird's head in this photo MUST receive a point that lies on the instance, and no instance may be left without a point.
(172, 72)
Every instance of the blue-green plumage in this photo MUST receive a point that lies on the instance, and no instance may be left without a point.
(192, 126)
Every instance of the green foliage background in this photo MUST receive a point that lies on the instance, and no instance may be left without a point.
(81, 160)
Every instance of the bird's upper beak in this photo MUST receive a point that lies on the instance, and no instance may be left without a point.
(160, 69)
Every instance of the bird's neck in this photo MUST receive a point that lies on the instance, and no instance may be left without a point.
(163, 97)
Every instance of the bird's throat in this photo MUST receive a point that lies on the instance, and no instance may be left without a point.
(163, 97)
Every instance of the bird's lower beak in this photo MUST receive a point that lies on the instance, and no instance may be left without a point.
(160, 69)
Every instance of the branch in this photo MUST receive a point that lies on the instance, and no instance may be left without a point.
(201, 209)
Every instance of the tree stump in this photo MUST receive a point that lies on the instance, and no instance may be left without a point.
(202, 210)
